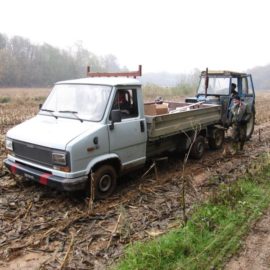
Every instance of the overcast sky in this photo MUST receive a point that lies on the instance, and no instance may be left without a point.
(170, 35)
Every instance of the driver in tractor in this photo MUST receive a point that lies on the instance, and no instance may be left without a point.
(234, 93)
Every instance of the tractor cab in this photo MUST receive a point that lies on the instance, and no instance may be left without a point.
(219, 87)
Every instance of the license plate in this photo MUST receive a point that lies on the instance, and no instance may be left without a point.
(28, 176)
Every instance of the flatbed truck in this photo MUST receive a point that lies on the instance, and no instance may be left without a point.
(81, 131)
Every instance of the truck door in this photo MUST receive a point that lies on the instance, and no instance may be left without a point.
(128, 137)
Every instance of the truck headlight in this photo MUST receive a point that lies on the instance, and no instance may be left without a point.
(59, 158)
(9, 144)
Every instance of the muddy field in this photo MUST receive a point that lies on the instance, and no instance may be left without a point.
(42, 228)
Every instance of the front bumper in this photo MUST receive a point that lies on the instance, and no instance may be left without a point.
(67, 184)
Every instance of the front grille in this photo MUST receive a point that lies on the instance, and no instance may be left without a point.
(33, 153)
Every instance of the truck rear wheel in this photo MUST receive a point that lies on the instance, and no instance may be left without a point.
(104, 181)
(217, 139)
(250, 126)
(198, 147)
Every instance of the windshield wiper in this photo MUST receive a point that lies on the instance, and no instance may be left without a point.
(74, 113)
(50, 111)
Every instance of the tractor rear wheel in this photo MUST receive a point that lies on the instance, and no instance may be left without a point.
(250, 126)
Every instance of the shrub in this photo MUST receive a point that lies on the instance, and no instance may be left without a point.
(5, 99)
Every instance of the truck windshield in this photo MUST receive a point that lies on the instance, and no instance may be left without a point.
(216, 86)
(88, 101)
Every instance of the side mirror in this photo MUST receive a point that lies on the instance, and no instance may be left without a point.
(116, 117)
(40, 106)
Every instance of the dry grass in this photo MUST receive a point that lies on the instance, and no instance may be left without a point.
(18, 104)
(22, 103)
(262, 107)
(20, 93)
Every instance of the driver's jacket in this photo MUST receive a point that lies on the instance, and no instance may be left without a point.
(241, 113)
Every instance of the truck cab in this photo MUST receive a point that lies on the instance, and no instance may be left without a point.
(82, 128)
(218, 87)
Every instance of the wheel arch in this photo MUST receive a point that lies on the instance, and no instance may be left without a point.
(110, 159)
(203, 132)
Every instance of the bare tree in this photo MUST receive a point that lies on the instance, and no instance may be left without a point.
(186, 183)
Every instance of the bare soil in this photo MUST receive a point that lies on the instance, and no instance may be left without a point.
(41, 228)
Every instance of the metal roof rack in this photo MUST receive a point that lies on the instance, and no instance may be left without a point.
(133, 74)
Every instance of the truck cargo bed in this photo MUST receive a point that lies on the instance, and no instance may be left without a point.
(180, 117)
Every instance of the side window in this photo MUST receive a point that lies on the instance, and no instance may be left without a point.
(250, 92)
(244, 86)
(126, 101)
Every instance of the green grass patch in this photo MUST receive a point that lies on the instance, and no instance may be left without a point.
(212, 233)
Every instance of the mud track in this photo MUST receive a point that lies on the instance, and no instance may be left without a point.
(42, 228)
(255, 253)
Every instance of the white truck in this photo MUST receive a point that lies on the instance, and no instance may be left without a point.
(82, 128)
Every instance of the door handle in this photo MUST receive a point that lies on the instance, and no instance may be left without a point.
(142, 126)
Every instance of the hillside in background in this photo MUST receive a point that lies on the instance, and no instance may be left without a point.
(261, 77)
(23, 64)
(166, 79)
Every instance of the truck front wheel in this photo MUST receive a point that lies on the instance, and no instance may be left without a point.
(197, 149)
(104, 181)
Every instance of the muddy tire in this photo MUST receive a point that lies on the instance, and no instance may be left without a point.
(104, 182)
(250, 126)
(198, 147)
(217, 139)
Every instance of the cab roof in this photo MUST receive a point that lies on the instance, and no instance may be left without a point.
(226, 73)
(110, 81)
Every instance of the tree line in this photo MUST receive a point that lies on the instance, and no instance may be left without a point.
(23, 64)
